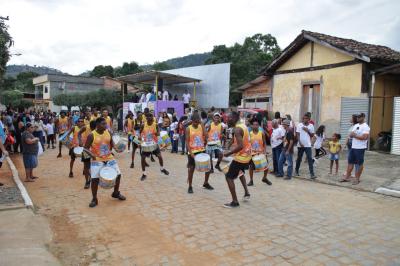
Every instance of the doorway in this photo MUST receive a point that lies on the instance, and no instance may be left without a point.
(311, 101)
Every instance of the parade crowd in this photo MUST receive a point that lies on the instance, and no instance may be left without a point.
(238, 139)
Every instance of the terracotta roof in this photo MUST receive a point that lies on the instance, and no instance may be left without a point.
(377, 53)
(362, 51)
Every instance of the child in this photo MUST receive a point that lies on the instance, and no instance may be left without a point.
(49, 128)
(319, 138)
(334, 150)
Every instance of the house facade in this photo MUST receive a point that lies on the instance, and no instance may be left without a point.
(257, 93)
(332, 77)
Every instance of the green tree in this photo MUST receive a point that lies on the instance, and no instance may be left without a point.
(101, 71)
(160, 66)
(14, 99)
(24, 81)
(6, 42)
(127, 68)
(246, 60)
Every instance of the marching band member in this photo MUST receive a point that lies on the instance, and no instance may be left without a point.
(63, 124)
(82, 137)
(214, 140)
(74, 143)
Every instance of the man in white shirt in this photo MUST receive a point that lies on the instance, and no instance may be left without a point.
(304, 133)
(148, 96)
(186, 99)
(165, 95)
(360, 135)
(277, 136)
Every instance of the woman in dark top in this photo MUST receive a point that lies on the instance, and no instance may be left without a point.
(30, 150)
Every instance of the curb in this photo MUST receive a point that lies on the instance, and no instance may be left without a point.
(27, 199)
(388, 192)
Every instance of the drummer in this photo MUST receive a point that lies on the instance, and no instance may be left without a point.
(87, 118)
(241, 149)
(74, 143)
(258, 146)
(82, 137)
(95, 115)
(195, 142)
(63, 124)
(100, 143)
(146, 111)
(214, 140)
(149, 133)
(108, 119)
(129, 126)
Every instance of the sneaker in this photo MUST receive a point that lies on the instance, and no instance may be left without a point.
(118, 195)
(208, 186)
(87, 185)
(132, 165)
(250, 184)
(165, 172)
(246, 197)
(218, 168)
(313, 177)
(287, 178)
(93, 203)
(297, 174)
(143, 177)
(279, 176)
(231, 205)
(190, 190)
(266, 181)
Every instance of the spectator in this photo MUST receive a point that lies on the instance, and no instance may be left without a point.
(176, 97)
(304, 132)
(334, 149)
(39, 129)
(186, 99)
(30, 151)
(276, 143)
(287, 151)
(165, 95)
(359, 135)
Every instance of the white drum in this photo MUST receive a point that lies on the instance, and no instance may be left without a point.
(119, 143)
(149, 146)
(213, 143)
(108, 175)
(202, 162)
(164, 139)
(78, 151)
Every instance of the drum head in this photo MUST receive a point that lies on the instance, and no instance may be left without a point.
(163, 133)
(202, 157)
(108, 173)
(78, 150)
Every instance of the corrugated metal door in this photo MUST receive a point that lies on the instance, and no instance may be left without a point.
(396, 126)
(350, 106)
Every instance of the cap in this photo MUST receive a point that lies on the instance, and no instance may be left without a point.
(286, 122)
(217, 114)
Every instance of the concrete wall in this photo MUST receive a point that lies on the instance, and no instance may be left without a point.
(322, 56)
(213, 89)
(382, 108)
(335, 83)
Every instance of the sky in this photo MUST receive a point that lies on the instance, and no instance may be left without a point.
(76, 35)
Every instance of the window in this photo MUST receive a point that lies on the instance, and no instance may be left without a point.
(46, 89)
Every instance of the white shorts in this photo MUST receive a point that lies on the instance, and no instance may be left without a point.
(96, 166)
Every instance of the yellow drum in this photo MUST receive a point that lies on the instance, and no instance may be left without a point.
(260, 162)
(202, 162)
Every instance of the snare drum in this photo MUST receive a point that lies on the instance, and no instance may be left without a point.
(108, 175)
(213, 143)
(260, 162)
(119, 143)
(149, 146)
(164, 139)
(78, 151)
(202, 162)
(225, 168)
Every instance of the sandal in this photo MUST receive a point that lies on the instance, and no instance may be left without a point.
(356, 182)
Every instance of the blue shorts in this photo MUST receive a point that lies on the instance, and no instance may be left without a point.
(334, 157)
(356, 156)
(30, 161)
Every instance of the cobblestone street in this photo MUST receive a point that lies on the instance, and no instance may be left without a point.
(291, 222)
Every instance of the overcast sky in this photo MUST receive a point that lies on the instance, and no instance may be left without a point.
(76, 35)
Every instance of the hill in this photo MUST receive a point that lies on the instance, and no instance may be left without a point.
(184, 61)
(14, 70)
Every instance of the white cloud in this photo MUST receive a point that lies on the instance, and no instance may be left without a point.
(76, 35)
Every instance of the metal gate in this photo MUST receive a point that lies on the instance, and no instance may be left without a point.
(396, 127)
(350, 106)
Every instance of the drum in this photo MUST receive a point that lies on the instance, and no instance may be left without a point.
(202, 162)
(260, 162)
(64, 139)
(213, 143)
(119, 143)
(135, 140)
(108, 175)
(78, 151)
(225, 168)
(149, 146)
(164, 139)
